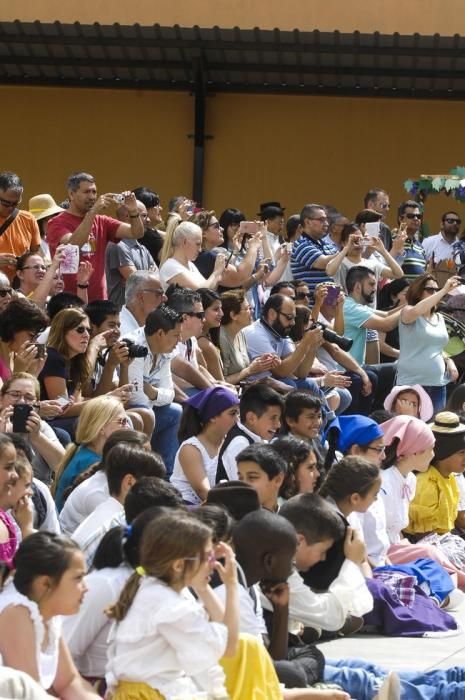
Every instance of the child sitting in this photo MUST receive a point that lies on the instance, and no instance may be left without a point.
(260, 420)
(207, 418)
(261, 467)
(303, 419)
(303, 468)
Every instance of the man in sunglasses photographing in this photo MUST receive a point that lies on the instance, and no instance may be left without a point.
(19, 232)
(410, 217)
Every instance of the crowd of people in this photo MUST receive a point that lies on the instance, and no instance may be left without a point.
(224, 441)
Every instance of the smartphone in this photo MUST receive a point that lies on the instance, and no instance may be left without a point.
(21, 413)
(373, 228)
(248, 227)
(332, 295)
(40, 350)
(62, 400)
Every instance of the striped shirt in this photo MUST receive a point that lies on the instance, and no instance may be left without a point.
(305, 253)
(414, 262)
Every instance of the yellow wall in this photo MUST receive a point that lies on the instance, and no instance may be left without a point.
(423, 16)
(295, 149)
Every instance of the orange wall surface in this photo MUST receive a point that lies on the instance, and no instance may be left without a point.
(424, 16)
(292, 148)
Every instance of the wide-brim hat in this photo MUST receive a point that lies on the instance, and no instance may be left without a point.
(43, 205)
(426, 405)
(238, 498)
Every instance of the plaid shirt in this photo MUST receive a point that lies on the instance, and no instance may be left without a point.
(400, 585)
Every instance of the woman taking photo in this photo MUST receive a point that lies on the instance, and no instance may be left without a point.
(48, 583)
(423, 337)
(21, 321)
(180, 249)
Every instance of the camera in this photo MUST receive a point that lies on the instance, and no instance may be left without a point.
(332, 337)
(136, 350)
(118, 198)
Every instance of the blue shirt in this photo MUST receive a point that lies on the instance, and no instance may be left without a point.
(79, 462)
(414, 262)
(260, 339)
(355, 315)
(305, 252)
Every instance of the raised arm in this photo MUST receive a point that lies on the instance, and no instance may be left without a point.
(411, 313)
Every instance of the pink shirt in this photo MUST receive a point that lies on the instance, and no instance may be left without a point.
(103, 230)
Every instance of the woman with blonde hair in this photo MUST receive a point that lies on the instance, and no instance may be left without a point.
(182, 246)
(99, 418)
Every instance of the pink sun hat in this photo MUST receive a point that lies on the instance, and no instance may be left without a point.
(425, 404)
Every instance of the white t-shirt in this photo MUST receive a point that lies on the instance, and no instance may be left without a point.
(95, 522)
(86, 633)
(179, 479)
(173, 267)
(83, 500)
(396, 493)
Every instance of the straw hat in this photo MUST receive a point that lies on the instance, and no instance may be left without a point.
(43, 205)
(447, 422)
(450, 435)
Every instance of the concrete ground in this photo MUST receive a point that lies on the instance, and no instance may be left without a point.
(402, 653)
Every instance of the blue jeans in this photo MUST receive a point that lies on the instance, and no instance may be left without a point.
(165, 436)
(362, 680)
(438, 396)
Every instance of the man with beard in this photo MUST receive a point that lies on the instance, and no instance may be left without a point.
(270, 335)
(359, 315)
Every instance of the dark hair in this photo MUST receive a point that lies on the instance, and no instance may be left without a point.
(302, 317)
(21, 315)
(409, 203)
(347, 229)
(125, 459)
(148, 197)
(10, 181)
(417, 287)
(367, 216)
(262, 533)
(456, 399)
(228, 218)
(271, 212)
(231, 302)
(357, 273)
(284, 284)
(148, 492)
(163, 318)
(275, 302)
(21, 444)
(448, 213)
(353, 474)
(390, 454)
(65, 321)
(169, 537)
(386, 293)
(381, 415)
(74, 180)
(268, 459)
(181, 299)
(208, 298)
(294, 452)
(297, 401)
(292, 224)
(6, 439)
(122, 543)
(372, 196)
(99, 310)
(42, 554)
(63, 300)
(258, 399)
(313, 518)
(308, 211)
(217, 519)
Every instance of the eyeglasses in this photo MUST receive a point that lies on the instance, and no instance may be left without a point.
(215, 225)
(453, 221)
(5, 292)
(158, 292)
(209, 557)
(7, 203)
(431, 290)
(34, 267)
(319, 218)
(384, 206)
(197, 314)
(121, 421)
(82, 329)
(18, 395)
(413, 216)
(290, 317)
(377, 449)
(303, 295)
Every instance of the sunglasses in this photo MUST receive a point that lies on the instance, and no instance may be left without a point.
(82, 329)
(5, 292)
(197, 314)
(431, 290)
(7, 203)
(413, 216)
(453, 221)
(303, 295)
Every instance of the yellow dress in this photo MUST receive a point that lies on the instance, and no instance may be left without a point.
(435, 505)
(250, 674)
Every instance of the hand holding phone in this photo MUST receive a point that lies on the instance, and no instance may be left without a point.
(21, 413)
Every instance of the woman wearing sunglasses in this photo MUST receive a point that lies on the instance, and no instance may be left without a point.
(423, 337)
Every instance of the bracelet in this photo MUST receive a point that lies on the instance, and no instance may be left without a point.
(83, 286)
(134, 216)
